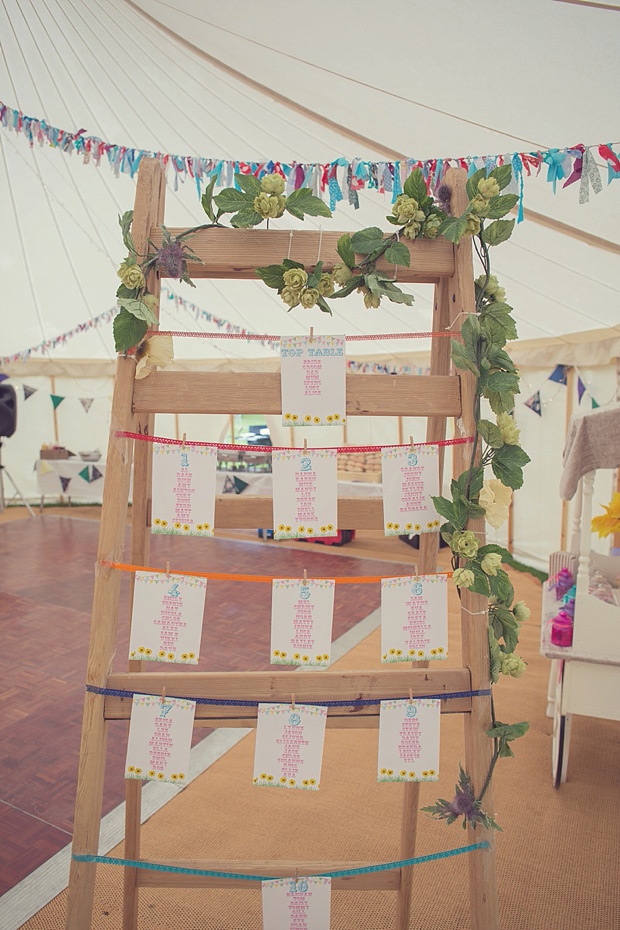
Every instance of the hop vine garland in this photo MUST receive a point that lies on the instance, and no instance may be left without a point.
(481, 351)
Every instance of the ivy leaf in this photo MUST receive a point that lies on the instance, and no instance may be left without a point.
(345, 250)
(302, 202)
(415, 186)
(500, 206)
(472, 183)
(230, 200)
(491, 434)
(272, 275)
(207, 198)
(364, 241)
(246, 218)
(462, 358)
(503, 175)
(128, 330)
(453, 228)
(249, 184)
(398, 254)
(137, 308)
(498, 231)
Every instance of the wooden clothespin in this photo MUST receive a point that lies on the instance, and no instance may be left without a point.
(411, 444)
(163, 695)
(167, 569)
(305, 576)
(416, 575)
(312, 334)
(292, 702)
(183, 442)
(305, 444)
(296, 875)
(410, 696)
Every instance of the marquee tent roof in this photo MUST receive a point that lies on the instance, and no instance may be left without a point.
(424, 80)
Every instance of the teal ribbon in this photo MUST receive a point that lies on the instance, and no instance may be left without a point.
(343, 873)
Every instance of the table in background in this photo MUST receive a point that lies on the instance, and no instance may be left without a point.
(70, 478)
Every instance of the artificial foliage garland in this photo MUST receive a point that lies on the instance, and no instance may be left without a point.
(484, 335)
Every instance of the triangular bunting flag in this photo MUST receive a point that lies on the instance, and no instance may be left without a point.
(65, 482)
(534, 403)
(44, 467)
(3, 377)
(28, 391)
(95, 474)
(86, 403)
(594, 404)
(84, 474)
(581, 389)
(559, 374)
(56, 400)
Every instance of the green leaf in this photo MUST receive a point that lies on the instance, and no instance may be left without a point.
(462, 358)
(498, 232)
(508, 731)
(491, 434)
(128, 330)
(364, 241)
(323, 305)
(481, 580)
(495, 656)
(503, 381)
(248, 184)
(470, 331)
(137, 308)
(289, 263)
(397, 296)
(444, 508)
(349, 287)
(125, 222)
(503, 175)
(230, 200)
(372, 283)
(500, 206)
(508, 465)
(246, 218)
(500, 403)
(472, 183)
(345, 250)
(272, 275)
(303, 201)
(127, 291)
(493, 547)
(501, 587)
(453, 228)
(493, 331)
(398, 254)
(207, 198)
(415, 186)
(394, 220)
(501, 318)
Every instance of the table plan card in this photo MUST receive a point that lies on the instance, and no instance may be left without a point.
(313, 378)
(302, 614)
(409, 740)
(183, 490)
(414, 618)
(410, 478)
(160, 737)
(305, 493)
(289, 746)
(297, 904)
(166, 620)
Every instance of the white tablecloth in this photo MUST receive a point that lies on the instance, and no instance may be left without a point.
(71, 478)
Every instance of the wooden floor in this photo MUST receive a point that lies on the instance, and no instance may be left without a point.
(46, 577)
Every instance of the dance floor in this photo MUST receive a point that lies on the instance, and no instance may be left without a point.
(47, 570)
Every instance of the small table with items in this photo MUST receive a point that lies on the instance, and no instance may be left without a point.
(70, 477)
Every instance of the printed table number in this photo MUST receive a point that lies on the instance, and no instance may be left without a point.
(305, 493)
(313, 376)
(410, 478)
(183, 490)
(414, 618)
(409, 740)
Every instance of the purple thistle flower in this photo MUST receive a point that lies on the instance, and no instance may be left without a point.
(444, 195)
(170, 259)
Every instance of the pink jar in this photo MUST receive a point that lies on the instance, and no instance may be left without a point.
(562, 630)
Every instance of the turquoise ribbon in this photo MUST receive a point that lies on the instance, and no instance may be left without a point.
(342, 873)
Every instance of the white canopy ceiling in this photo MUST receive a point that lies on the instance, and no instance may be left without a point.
(451, 79)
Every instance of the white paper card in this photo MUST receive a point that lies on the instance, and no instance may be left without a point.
(305, 493)
(409, 740)
(160, 737)
(414, 618)
(166, 620)
(183, 490)
(313, 380)
(302, 904)
(302, 614)
(289, 746)
(409, 478)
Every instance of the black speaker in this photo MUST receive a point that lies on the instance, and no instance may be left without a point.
(8, 409)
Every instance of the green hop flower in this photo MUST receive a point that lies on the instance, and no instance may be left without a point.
(296, 278)
(508, 428)
(342, 274)
(326, 285)
(463, 578)
(465, 544)
(372, 301)
(411, 230)
(472, 227)
(309, 297)
(290, 295)
(272, 184)
(269, 206)
(491, 563)
(521, 611)
(131, 275)
(431, 227)
(480, 205)
(492, 288)
(488, 187)
(405, 208)
(512, 665)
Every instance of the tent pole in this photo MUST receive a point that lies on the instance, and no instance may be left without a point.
(570, 390)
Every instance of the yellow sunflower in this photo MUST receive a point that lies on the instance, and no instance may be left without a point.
(141, 650)
(162, 653)
(186, 527)
(131, 768)
(317, 419)
(152, 773)
(329, 418)
(160, 776)
(312, 781)
(164, 523)
(171, 655)
(157, 521)
(148, 652)
(177, 525)
(199, 527)
(292, 782)
(287, 416)
(307, 418)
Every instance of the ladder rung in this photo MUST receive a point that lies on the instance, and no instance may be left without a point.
(245, 511)
(388, 880)
(307, 685)
(260, 392)
(237, 253)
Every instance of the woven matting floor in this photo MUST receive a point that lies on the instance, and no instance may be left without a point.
(557, 857)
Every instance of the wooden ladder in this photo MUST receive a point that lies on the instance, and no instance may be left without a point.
(229, 253)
